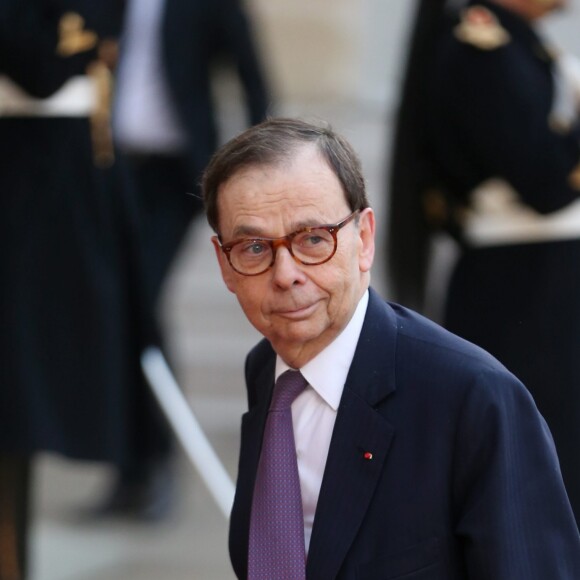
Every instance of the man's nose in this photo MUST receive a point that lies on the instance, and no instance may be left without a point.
(286, 269)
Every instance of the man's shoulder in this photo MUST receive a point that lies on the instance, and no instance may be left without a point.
(438, 368)
(426, 343)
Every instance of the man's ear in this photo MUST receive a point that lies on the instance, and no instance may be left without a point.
(367, 239)
(228, 275)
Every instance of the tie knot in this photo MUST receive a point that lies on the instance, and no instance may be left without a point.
(288, 386)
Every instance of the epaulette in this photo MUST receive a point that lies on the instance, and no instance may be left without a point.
(481, 28)
(73, 37)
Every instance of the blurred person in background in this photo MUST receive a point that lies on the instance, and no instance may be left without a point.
(166, 127)
(165, 119)
(72, 311)
(487, 152)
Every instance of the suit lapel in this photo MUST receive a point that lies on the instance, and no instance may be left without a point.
(350, 476)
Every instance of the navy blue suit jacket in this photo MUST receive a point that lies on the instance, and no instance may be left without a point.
(464, 481)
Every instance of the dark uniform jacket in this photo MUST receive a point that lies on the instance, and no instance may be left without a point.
(70, 336)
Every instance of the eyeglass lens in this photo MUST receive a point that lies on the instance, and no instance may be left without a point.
(309, 247)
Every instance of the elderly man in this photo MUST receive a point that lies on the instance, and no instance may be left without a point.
(377, 444)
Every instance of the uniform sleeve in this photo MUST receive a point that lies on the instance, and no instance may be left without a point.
(241, 45)
(496, 106)
(513, 514)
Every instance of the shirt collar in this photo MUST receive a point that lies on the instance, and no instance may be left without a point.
(326, 373)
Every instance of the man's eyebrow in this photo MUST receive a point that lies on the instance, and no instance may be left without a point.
(246, 231)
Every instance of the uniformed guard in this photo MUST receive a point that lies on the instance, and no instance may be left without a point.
(487, 151)
(71, 311)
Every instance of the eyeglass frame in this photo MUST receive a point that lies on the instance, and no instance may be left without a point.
(286, 241)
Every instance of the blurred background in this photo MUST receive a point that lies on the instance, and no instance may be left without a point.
(337, 60)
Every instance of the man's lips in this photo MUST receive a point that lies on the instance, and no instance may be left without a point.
(295, 312)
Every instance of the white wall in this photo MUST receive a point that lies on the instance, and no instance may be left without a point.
(351, 50)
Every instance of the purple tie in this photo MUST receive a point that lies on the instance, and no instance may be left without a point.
(276, 550)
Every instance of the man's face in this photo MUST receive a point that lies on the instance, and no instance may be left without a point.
(299, 308)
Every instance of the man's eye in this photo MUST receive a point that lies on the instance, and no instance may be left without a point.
(313, 239)
(253, 248)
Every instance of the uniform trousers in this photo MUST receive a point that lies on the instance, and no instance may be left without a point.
(168, 196)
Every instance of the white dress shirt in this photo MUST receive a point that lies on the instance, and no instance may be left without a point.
(144, 118)
(314, 411)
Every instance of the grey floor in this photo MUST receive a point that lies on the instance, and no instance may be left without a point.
(208, 339)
